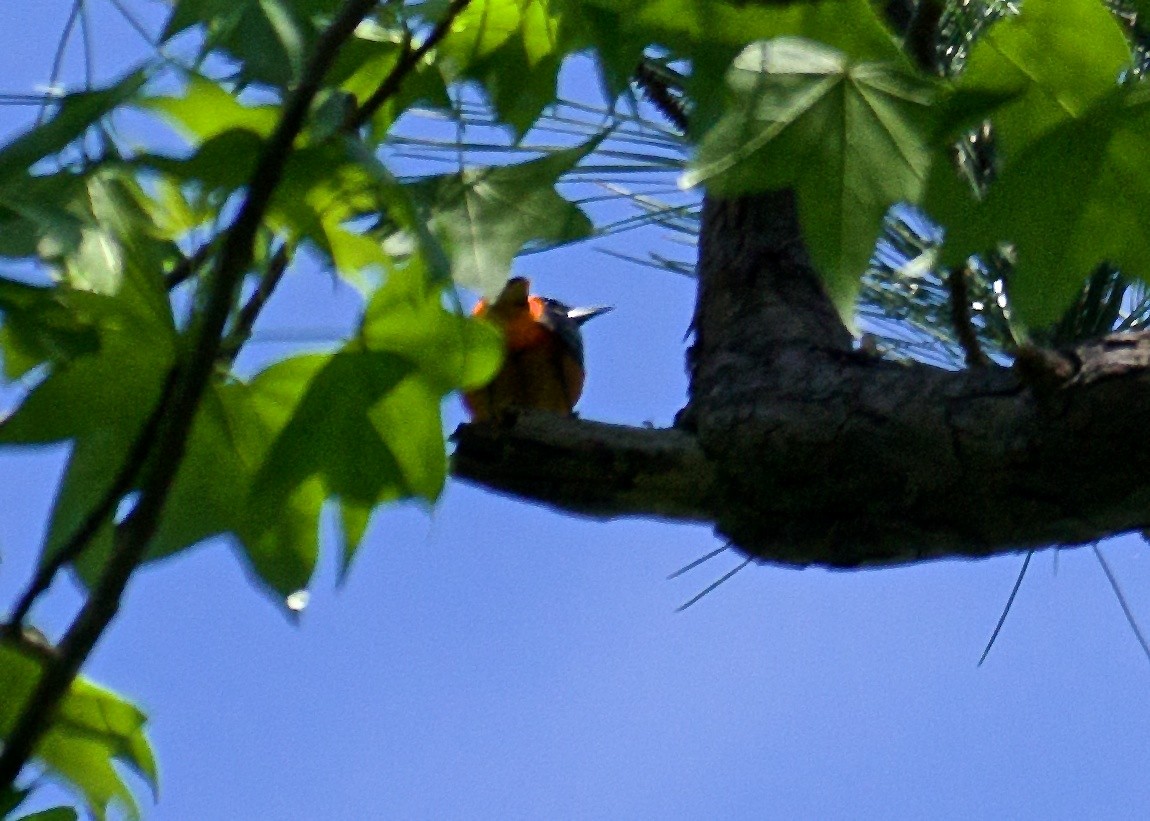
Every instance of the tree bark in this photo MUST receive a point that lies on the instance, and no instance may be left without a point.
(801, 450)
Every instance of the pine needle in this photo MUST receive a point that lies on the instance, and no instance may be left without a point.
(696, 563)
(1122, 601)
(1006, 610)
(725, 577)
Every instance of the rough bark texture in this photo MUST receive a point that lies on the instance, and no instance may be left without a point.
(802, 450)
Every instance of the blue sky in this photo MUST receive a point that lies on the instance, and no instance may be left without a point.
(491, 659)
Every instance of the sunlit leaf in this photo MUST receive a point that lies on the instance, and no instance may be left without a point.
(269, 38)
(852, 138)
(1103, 157)
(711, 33)
(75, 114)
(452, 352)
(514, 48)
(92, 729)
(1054, 60)
(485, 216)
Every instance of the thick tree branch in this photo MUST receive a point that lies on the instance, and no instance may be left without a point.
(814, 454)
(589, 467)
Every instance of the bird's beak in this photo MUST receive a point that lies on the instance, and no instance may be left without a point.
(581, 315)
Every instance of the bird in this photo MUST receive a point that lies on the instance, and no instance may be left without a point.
(543, 363)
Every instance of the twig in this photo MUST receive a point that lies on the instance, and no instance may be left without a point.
(186, 268)
(89, 51)
(407, 61)
(178, 413)
(242, 331)
(58, 57)
(1122, 600)
(1006, 610)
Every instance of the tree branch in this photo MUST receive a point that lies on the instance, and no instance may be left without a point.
(590, 468)
(883, 464)
(100, 514)
(245, 322)
(178, 414)
(187, 267)
(806, 452)
(407, 61)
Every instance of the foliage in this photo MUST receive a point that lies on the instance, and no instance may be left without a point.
(132, 243)
(93, 728)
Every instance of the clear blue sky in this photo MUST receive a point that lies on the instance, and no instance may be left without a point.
(493, 660)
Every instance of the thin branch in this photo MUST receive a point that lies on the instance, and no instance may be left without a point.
(1126, 611)
(100, 514)
(134, 23)
(1006, 610)
(58, 57)
(89, 50)
(178, 413)
(242, 331)
(187, 267)
(403, 66)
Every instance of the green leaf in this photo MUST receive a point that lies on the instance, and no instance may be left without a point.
(97, 233)
(333, 436)
(1054, 59)
(484, 216)
(205, 110)
(208, 494)
(281, 544)
(366, 427)
(92, 728)
(40, 326)
(452, 352)
(75, 115)
(368, 57)
(852, 138)
(269, 38)
(220, 164)
(53, 814)
(1103, 158)
(101, 402)
(711, 33)
(11, 798)
(514, 48)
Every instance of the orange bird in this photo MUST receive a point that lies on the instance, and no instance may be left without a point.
(543, 367)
